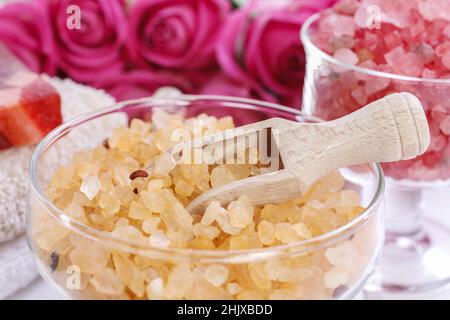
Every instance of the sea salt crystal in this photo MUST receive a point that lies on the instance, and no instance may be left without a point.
(90, 186)
(345, 55)
(155, 289)
(445, 125)
(216, 274)
(434, 9)
(107, 282)
(159, 239)
(342, 256)
(336, 276)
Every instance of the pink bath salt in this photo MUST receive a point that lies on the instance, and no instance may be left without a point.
(339, 25)
(432, 159)
(434, 9)
(360, 95)
(410, 38)
(393, 40)
(406, 63)
(347, 7)
(346, 55)
(428, 74)
(446, 31)
(439, 112)
(438, 143)
(375, 85)
(445, 126)
(425, 52)
(397, 13)
(443, 51)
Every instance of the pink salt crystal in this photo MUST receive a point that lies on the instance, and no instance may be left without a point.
(437, 143)
(428, 74)
(446, 31)
(393, 40)
(346, 55)
(368, 64)
(425, 52)
(360, 95)
(347, 7)
(397, 13)
(339, 25)
(434, 9)
(445, 126)
(439, 112)
(405, 63)
(376, 85)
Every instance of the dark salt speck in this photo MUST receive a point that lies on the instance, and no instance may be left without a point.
(54, 260)
(135, 190)
(138, 174)
(106, 144)
(339, 291)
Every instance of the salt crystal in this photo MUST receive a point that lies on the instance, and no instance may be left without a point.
(107, 282)
(211, 213)
(223, 219)
(159, 239)
(155, 289)
(239, 243)
(150, 225)
(209, 232)
(434, 9)
(234, 288)
(285, 233)
(266, 232)
(360, 95)
(445, 125)
(342, 256)
(347, 56)
(220, 175)
(302, 230)
(155, 185)
(216, 274)
(90, 186)
(336, 276)
(129, 233)
(179, 282)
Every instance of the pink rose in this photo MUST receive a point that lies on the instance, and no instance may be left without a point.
(221, 84)
(25, 30)
(261, 44)
(141, 83)
(93, 50)
(175, 34)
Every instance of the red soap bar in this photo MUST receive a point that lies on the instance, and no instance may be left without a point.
(29, 106)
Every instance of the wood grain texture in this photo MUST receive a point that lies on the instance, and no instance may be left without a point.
(390, 129)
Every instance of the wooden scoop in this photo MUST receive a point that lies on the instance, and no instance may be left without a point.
(390, 129)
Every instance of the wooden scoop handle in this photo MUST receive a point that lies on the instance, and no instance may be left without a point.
(390, 129)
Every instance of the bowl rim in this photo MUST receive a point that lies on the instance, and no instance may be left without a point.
(309, 45)
(223, 256)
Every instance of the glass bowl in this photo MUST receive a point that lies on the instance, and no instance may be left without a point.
(52, 233)
(416, 257)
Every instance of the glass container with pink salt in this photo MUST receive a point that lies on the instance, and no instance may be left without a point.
(359, 51)
(108, 220)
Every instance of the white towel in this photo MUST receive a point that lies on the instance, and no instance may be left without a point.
(17, 268)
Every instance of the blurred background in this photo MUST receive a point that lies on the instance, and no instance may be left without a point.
(130, 48)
